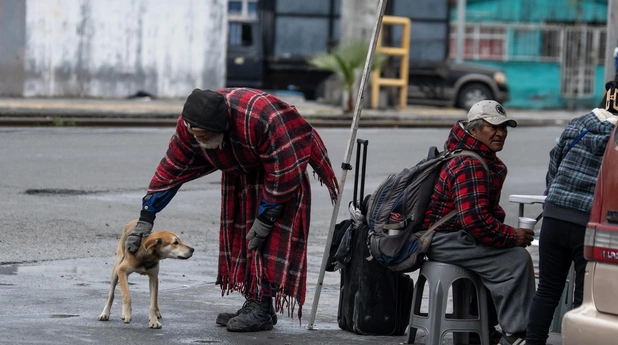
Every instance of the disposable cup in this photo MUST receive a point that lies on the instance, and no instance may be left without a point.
(527, 223)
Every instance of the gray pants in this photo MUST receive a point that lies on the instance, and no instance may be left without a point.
(507, 273)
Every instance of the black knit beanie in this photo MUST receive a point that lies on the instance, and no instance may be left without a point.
(206, 109)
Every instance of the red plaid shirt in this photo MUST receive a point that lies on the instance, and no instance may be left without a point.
(465, 185)
(264, 155)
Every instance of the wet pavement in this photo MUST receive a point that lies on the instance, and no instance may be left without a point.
(58, 301)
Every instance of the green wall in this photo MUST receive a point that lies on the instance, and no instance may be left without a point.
(537, 86)
(535, 11)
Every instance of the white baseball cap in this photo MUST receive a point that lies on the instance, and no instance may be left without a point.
(491, 112)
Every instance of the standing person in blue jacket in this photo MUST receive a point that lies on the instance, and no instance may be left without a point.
(571, 178)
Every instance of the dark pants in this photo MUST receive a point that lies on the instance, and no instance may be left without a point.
(560, 244)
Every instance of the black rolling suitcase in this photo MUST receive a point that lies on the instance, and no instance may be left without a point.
(372, 299)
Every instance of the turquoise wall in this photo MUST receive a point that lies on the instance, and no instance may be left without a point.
(533, 84)
(536, 11)
(537, 86)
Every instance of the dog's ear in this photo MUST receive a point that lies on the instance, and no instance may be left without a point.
(151, 243)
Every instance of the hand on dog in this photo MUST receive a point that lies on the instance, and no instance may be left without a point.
(142, 229)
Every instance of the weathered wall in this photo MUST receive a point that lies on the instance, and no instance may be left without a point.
(12, 42)
(114, 48)
(358, 19)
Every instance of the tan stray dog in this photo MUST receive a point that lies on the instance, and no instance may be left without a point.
(157, 246)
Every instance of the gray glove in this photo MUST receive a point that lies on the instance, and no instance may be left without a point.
(142, 229)
(262, 226)
(258, 233)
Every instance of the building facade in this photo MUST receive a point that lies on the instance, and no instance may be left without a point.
(552, 51)
(111, 48)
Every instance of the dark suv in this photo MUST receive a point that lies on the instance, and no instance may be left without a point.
(455, 84)
(595, 322)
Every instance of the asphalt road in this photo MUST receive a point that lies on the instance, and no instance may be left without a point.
(68, 192)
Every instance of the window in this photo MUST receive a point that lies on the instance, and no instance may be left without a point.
(252, 8)
(525, 42)
(234, 7)
(240, 34)
(242, 9)
(551, 43)
(481, 42)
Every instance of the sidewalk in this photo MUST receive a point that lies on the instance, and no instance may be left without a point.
(159, 112)
(58, 302)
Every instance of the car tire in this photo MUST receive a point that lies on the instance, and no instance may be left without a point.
(471, 94)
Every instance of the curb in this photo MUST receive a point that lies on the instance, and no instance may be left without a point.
(132, 121)
(100, 115)
(68, 121)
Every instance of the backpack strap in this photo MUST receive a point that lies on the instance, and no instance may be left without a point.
(442, 220)
(454, 212)
(471, 154)
(581, 135)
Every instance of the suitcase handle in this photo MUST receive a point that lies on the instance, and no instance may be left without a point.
(360, 143)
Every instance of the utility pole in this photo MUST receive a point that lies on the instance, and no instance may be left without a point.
(612, 40)
(357, 19)
(461, 30)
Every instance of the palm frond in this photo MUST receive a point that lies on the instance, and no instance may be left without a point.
(345, 61)
(324, 61)
(346, 70)
(349, 56)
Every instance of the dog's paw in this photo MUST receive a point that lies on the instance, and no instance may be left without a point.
(104, 317)
(158, 314)
(126, 314)
(154, 324)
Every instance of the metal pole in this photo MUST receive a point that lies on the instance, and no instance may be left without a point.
(461, 33)
(360, 96)
(612, 40)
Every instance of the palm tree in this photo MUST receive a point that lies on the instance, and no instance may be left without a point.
(345, 61)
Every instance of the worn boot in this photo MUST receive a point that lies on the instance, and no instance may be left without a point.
(223, 318)
(255, 317)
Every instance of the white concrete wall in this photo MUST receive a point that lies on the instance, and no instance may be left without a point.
(114, 48)
(358, 19)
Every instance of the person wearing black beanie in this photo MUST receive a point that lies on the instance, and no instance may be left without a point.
(206, 109)
(262, 146)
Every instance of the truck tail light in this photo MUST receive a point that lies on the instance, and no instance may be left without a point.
(601, 243)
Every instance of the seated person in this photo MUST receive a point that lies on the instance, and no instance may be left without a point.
(477, 238)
